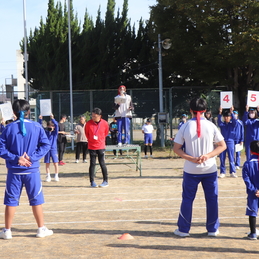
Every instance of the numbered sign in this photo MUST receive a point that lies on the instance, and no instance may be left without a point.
(45, 107)
(226, 100)
(253, 98)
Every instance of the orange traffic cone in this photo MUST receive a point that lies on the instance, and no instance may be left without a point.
(126, 236)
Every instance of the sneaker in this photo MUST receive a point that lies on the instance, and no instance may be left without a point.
(6, 234)
(44, 232)
(252, 236)
(94, 185)
(221, 175)
(237, 168)
(151, 156)
(56, 178)
(61, 163)
(119, 144)
(85, 161)
(104, 184)
(257, 232)
(77, 161)
(213, 234)
(234, 175)
(177, 232)
(146, 156)
(48, 178)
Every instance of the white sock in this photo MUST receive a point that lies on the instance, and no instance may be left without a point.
(42, 228)
(5, 230)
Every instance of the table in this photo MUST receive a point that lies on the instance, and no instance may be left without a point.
(133, 153)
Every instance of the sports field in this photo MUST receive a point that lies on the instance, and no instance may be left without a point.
(88, 221)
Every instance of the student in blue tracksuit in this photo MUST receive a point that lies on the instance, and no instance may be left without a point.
(52, 134)
(227, 128)
(239, 130)
(182, 121)
(251, 178)
(22, 144)
(251, 123)
(200, 167)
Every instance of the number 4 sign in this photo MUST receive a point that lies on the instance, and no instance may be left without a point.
(253, 98)
(226, 100)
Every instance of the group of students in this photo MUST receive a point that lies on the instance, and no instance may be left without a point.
(203, 143)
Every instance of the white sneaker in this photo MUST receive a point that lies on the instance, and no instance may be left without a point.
(234, 175)
(221, 175)
(151, 156)
(6, 234)
(119, 144)
(237, 168)
(56, 178)
(181, 234)
(44, 232)
(77, 161)
(85, 161)
(213, 234)
(146, 156)
(48, 178)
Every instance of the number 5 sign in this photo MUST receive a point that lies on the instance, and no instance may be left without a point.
(253, 98)
(226, 100)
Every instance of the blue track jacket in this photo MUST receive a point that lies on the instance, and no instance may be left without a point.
(52, 135)
(13, 145)
(250, 175)
(227, 129)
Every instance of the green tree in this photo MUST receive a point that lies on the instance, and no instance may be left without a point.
(213, 43)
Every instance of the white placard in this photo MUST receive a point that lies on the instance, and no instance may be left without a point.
(45, 107)
(7, 111)
(239, 147)
(252, 98)
(226, 100)
(119, 99)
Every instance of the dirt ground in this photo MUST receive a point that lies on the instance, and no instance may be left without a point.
(88, 221)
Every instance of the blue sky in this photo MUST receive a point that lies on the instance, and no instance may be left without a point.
(12, 25)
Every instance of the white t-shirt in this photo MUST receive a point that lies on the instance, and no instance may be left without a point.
(147, 128)
(196, 147)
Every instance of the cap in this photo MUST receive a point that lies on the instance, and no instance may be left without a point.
(235, 112)
(184, 115)
(148, 120)
(251, 109)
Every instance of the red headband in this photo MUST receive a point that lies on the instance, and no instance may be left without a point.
(199, 122)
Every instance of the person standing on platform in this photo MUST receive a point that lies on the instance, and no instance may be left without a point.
(22, 144)
(227, 128)
(62, 139)
(147, 130)
(123, 114)
(96, 131)
(251, 124)
(200, 167)
(114, 134)
(239, 133)
(250, 174)
(82, 142)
